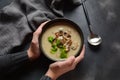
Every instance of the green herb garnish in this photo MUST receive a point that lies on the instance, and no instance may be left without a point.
(54, 49)
(50, 39)
(55, 45)
(63, 53)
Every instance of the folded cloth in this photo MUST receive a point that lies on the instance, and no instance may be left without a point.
(57, 6)
(17, 23)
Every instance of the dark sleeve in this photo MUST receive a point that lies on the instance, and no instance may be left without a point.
(45, 78)
(11, 62)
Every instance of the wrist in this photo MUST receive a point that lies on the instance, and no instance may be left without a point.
(51, 74)
(30, 55)
(45, 78)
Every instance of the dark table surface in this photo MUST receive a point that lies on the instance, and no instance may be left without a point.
(101, 63)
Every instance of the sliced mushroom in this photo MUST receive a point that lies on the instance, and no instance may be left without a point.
(65, 39)
(67, 48)
(61, 33)
(74, 46)
(57, 34)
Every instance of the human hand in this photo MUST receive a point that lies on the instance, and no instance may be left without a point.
(59, 68)
(34, 51)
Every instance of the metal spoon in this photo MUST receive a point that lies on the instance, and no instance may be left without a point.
(93, 38)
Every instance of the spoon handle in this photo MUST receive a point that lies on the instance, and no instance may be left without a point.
(87, 16)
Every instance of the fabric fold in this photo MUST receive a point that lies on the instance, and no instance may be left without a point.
(57, 6)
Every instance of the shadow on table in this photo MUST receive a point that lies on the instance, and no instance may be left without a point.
(95, 48)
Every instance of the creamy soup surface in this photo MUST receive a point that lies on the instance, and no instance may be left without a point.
(71, 45)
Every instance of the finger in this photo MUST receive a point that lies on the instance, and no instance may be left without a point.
(64, 64)
(81, 56)
(37, 33)
(39, 30)
(68, 62)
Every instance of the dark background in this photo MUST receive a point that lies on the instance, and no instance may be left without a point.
(100, 63)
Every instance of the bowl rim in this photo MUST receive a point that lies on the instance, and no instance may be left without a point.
(78, 29)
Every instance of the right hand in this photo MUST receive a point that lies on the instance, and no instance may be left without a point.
(59, 68)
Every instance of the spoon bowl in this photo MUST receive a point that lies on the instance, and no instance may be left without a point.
(94, 39)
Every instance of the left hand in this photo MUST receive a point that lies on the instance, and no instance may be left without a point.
(34, 51)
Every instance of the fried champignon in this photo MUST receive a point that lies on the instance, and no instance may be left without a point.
(60, 38)
(57, 34)
(67, 48)
(66, 35)
(67, 45)
(65, 39)
(74, 46)
(69, 42)
(61, 33)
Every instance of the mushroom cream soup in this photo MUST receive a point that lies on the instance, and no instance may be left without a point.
(60, 41)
